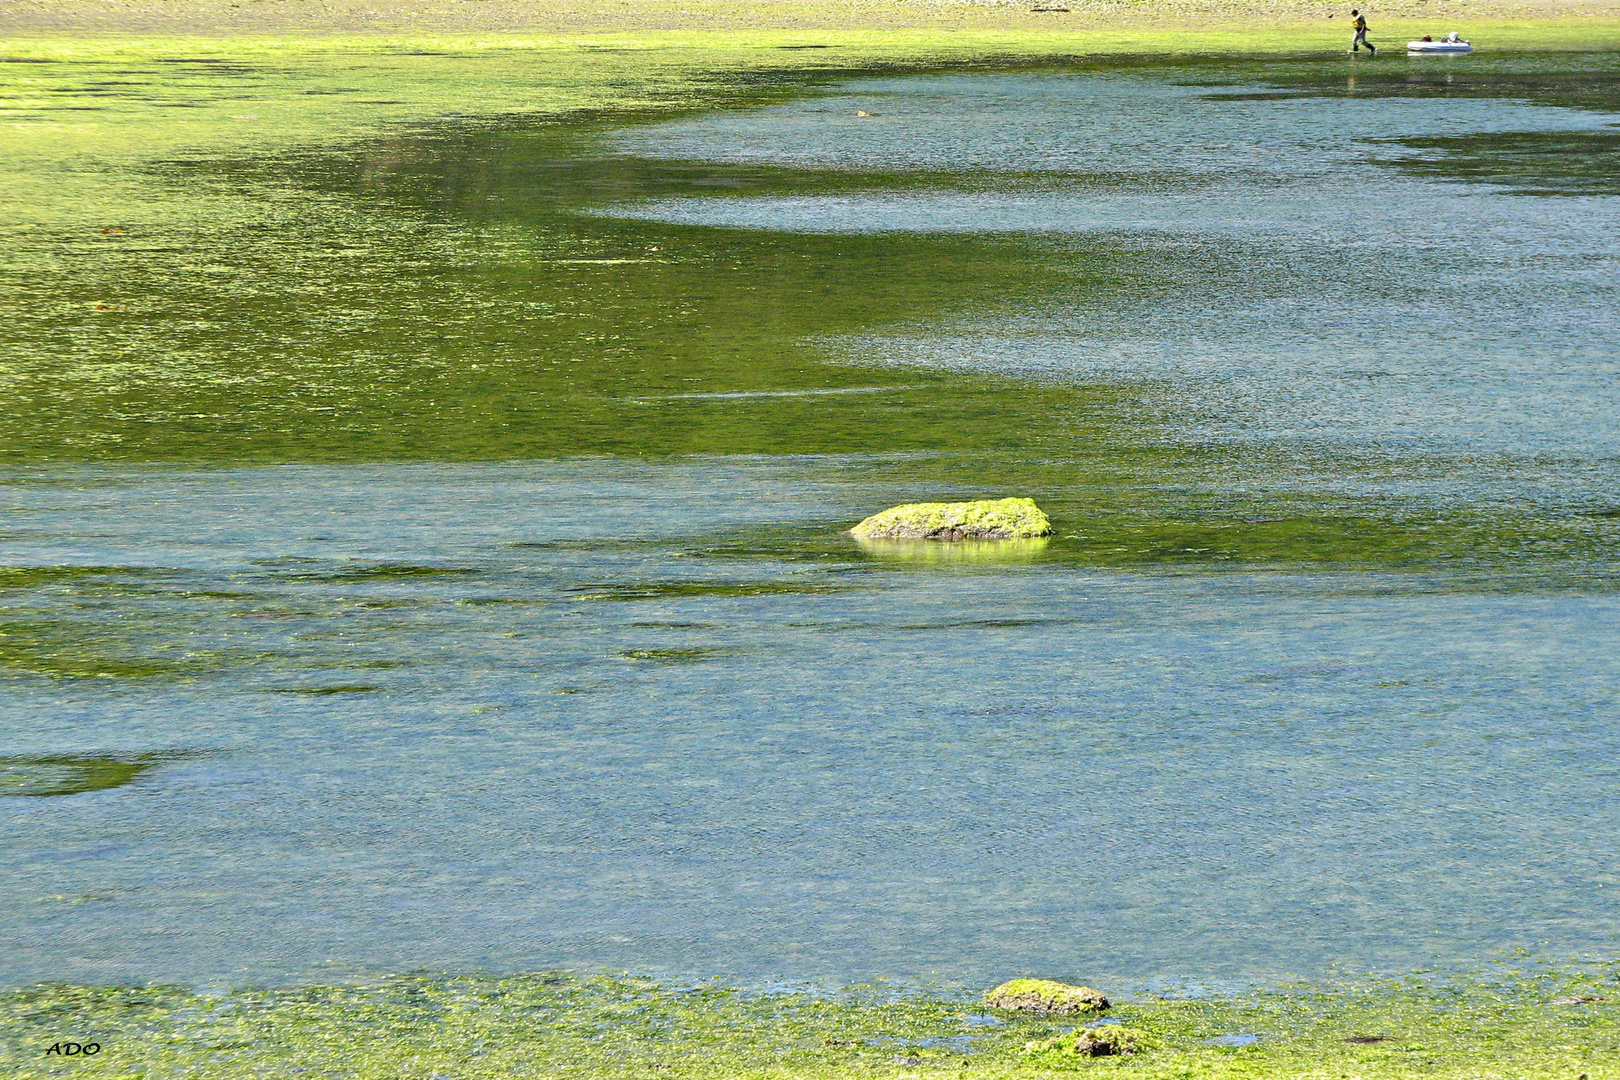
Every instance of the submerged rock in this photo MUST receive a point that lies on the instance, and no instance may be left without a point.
(1045, 996)
(986, 519)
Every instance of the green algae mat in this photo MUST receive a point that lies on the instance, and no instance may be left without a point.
(1518, 1022)
(228, 253)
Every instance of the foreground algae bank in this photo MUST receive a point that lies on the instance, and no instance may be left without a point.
(1504, 1022)
(431, 433)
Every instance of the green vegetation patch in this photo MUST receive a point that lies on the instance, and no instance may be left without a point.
(682, 590)
(1104, 1040)
(1528, 162)
(80, 648)
(692, 655)
(1556, 1021)
(32, 577)
(118, 623)
(40, 776)
(383, 572)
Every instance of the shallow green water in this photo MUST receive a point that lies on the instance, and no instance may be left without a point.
(455, 527)
(457, 293)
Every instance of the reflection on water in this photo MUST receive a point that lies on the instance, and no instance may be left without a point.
(612, 739)
(930, 553)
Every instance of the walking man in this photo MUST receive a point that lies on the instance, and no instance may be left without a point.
(1360, 27)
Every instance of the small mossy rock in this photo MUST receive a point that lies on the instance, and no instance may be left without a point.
(987, 519)
(1045, 996)
(1105, 1041)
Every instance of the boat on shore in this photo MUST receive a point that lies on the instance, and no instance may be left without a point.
(1451, 43)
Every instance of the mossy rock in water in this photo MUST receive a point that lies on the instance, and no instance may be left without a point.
(1105, 1041)
(1045, 996)
(987, 519)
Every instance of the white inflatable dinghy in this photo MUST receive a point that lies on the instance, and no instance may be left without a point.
(1451, 43)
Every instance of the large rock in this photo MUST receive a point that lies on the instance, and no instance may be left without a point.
(1045, 996)
(987, 519)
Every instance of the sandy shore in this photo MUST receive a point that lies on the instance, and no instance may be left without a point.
(317, 17)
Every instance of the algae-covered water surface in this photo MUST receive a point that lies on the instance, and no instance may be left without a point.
(423, 542)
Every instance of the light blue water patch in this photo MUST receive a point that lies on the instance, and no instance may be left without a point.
(1267, 270)
(866, 769)
(1235, 1039)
